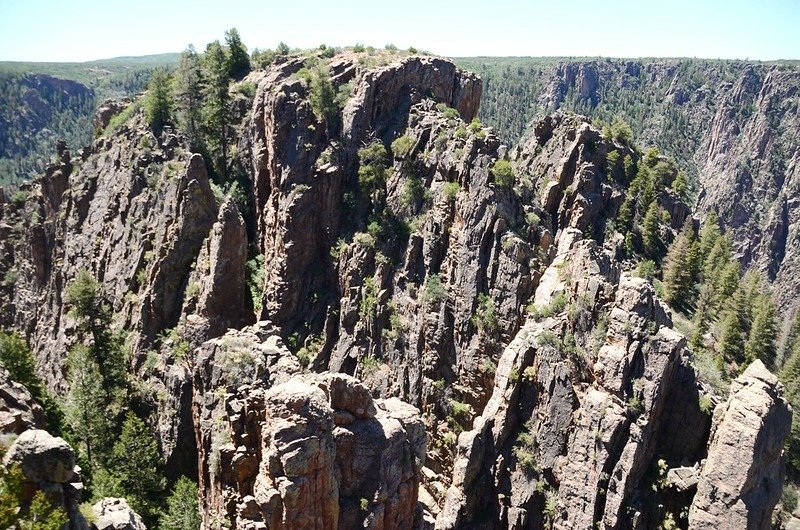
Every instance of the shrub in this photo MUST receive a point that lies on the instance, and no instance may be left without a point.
(435, 290)
(255, 280)
(402, 146)
(488, 366)
(367, 308)
(503, 173)
(372, 172)
(547, 338)
(557, 304)
(369, 364)
(412, 191)
(450, 190)
(485, 317)
(358, 48)
(706, 404)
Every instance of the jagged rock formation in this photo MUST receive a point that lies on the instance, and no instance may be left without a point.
(299, 451)
(731, 124)
(732, 491)
(470, 409)
(18, 410)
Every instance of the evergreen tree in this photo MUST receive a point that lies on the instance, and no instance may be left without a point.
(681, 186)
(678, 269)
(731, 342)
(790, 377)
(215, 109)
(650, 235)
(85, 410)
(90, 308)
(183, 510)
(709, 234)
(18, 360)
(158, 101)
(702, 316)
(726, 285)
(189, 93)
(238, 59)
(136, 463)
(716, 259)
(322, 95)
(761, 341)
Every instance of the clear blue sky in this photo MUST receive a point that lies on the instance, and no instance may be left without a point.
(79, 30)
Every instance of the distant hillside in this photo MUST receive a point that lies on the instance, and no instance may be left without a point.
(42, 102)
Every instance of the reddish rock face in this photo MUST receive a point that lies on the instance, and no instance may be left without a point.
(396, 377)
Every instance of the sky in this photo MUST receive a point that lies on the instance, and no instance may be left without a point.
(81, 30)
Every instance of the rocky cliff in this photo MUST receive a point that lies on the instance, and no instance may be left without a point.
(732, 126)
(437, 345)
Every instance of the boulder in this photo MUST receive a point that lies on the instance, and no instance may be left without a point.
(115, 514)
(42, 457)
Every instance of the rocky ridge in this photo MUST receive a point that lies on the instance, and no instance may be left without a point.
(471, 410)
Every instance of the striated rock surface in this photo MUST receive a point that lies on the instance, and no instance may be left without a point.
(742, 477)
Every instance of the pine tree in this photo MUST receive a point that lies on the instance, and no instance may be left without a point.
(89, 306)
(709, 234)
(215, 109)
(136, 463)
(761, 341)
(731, 342)
(158, 102)
(790, 377)
(189, 93)
(726, 285)
(86, 407)
(238, 59)
(702, 316)
(678, 274)
(183, 511)
(650, 235)
(681, 186)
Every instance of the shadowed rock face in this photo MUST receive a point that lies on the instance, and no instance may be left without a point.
(419, 390)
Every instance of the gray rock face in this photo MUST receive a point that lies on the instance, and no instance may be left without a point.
(742, 477)
(18, 410)
(115, 514)
(42, 457)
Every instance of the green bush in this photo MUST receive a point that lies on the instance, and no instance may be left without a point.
(183, 511)
(451, 190)
(374, 160)
(402, 146)
(435, 290)
(485, 317)
(503, 173)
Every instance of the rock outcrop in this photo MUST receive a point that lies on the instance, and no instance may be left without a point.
(300, 451)
(115, 514)
(742, 476)
(18, 410)
(449, 335)
(47, 463)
